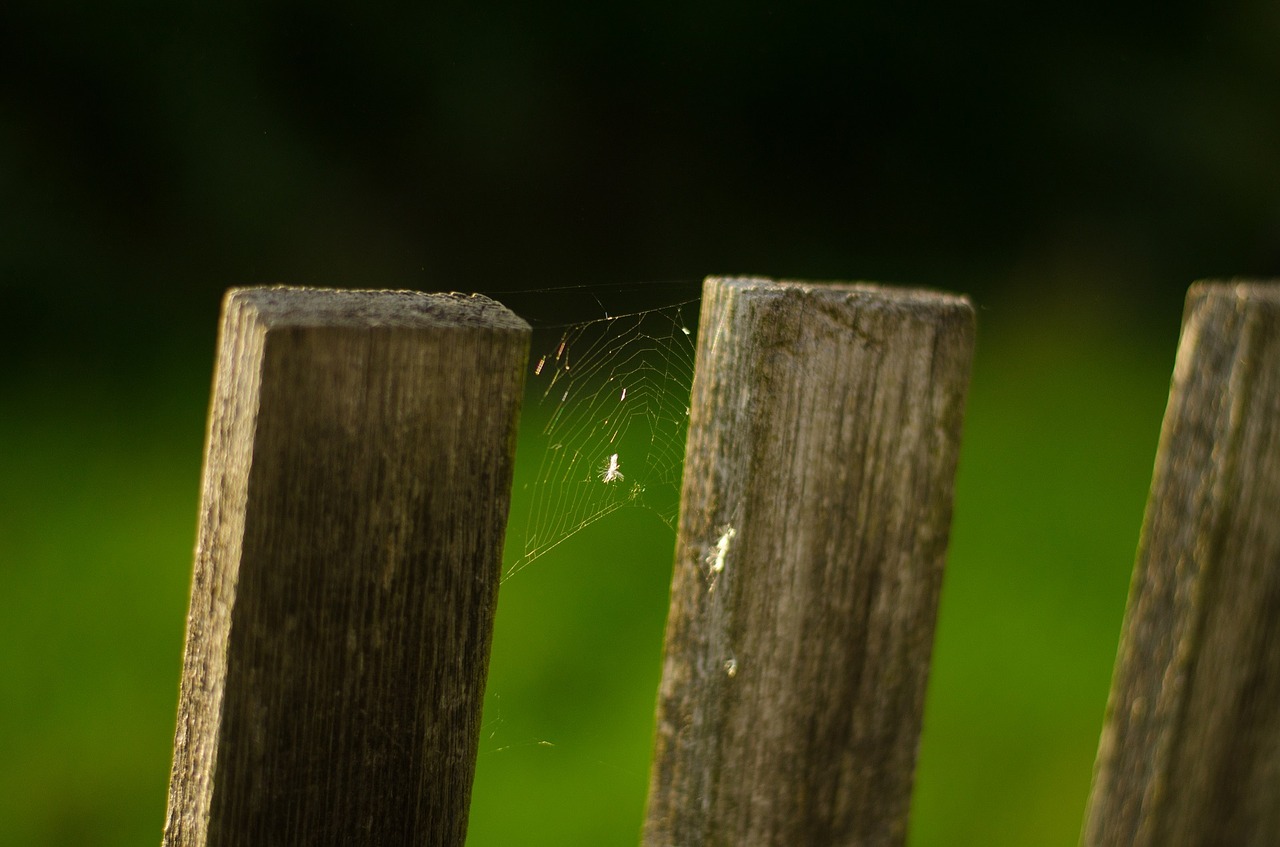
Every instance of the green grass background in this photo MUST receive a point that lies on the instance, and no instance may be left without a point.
(1073, 167)
(98, 504)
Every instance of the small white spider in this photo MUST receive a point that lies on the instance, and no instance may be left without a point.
(610, 472)
(716, 558)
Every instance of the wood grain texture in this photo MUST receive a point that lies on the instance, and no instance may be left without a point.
(1190, 751)
(824, 431)
(356, 484)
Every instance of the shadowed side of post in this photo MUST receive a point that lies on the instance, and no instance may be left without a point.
(824, 431)
(1190, 750)
(356, 485)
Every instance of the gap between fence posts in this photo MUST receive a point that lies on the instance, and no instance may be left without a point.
(1190, 751)
(824, 431)
(356, 485)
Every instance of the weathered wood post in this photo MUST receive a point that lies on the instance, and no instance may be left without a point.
(1190, 751)
(824, 430)
(356, 484)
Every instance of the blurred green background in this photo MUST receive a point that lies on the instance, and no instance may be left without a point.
(1073, 167)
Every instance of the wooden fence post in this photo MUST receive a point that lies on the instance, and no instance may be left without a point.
(823, 436)
(1190, 752)
(356, 484)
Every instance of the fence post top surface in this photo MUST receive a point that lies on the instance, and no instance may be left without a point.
(870, 293)
(281, 306)
(1245, 290)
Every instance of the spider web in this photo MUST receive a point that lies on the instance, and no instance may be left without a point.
(610, 414)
